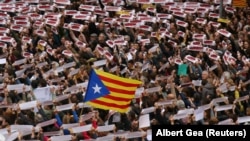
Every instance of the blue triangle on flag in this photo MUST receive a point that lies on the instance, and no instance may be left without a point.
(96, 88)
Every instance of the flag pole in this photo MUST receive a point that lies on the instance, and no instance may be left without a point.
(81, 113)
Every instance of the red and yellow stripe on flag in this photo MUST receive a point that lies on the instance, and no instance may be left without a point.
(110, 92)
(239, 3)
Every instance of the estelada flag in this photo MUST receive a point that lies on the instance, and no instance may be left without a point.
(110, 92)
(239, 3)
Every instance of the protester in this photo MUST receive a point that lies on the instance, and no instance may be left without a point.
(190, 66)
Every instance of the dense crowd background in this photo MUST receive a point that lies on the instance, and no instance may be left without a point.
(205, 89)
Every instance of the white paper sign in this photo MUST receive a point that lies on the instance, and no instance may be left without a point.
(46, 123)
(138, 92)
(80, 129)
(19, 62)
(218, 100)
(153, 49)
(224, 32)
(180, 116)
(81, 105)
(223, 107)
(67, 126)
(244, 119)
(162, 103)
(186, 111)
(199, 114)
(205, 107)
(83, 85)
(62, 97)
(52, 133)
(144, 67)
(164, 66)
(12, 137)
(19, 73)
(144, 121)
(105, 138)
(21, 127)
(100, 63)
(61, 138)
(223, 88)
(105, 128)
(243, 98)
(72, 89)
(39, 65)
(46, 103)
(129, 56)
(137, 134)
(25, 132)
(87, 116)
(69, 65)
(73, 72)
(28, 105)
(213, 67)
(196, 82)
(225, 122)
(26, 66)
(154, 89)
(3, 61)
(149, 134)
(43, 94)
(65, 107)
(15, 86)
(148, 110)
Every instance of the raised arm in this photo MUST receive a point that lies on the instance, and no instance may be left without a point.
(73, 36)
(75, 116)
(58, 119)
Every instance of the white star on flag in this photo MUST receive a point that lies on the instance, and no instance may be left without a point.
(97, 89)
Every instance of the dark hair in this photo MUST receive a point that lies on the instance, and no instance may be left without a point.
(204, 82)
(43, 83)
(234, 117)
(34, 84)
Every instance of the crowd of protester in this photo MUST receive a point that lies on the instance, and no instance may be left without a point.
(155, 68)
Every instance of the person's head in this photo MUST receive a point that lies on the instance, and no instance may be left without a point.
(204, 75)
(246, 45)
(38, 118)
(248, 111)
(63, 40)
(127, 38)
(154, 68)
(93, 36)
(130, 64)
(140, 55)
(172, 26)
(51, 41)
(234, 117)
(101, 26)
(74, 99)
(101, 37)
(131, 116)
(213, 121)
(180, 104)
(184, 79)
